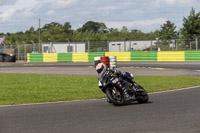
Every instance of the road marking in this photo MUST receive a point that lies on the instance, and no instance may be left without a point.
(181, 89)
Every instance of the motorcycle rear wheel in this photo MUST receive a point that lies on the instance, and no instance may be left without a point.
(115, 96)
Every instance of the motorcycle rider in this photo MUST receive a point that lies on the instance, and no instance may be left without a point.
(103, 73)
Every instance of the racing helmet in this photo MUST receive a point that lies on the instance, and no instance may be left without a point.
(117, 72)
(128, 76)
(100, 67)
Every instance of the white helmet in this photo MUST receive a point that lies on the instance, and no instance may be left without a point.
(100, 67)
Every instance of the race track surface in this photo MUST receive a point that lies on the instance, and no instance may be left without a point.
(168, 112)
(87, 68)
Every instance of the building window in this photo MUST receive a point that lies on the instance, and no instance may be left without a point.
(118, 44)
(135, 43)
(113, 44)
(69, 49)
(46, 49)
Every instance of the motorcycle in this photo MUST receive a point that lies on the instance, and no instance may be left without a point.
(121, 89)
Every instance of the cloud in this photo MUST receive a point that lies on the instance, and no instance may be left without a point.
(50, 13)
(136, 24)
(147, 15)
(62, 3)
(6, 15)
(171, 2)
(7, 2)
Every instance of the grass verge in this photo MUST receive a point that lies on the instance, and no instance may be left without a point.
(32, 88)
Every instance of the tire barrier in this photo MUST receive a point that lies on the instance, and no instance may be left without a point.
(143, 56)
(64, 57)
(53, 57)
(171, 56)
(92, 55)
(120, 56)
(192, 56)
(35, 57)
(105, 60)
(80, 57)
(113, 62)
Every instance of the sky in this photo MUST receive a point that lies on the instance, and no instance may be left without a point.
(144, 15)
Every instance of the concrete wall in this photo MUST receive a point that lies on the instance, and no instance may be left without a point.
(121, 56)
(73, 47)
(125, 46)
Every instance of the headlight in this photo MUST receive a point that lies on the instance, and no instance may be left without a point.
(132, 75)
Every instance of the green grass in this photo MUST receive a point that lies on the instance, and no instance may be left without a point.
(32, 88)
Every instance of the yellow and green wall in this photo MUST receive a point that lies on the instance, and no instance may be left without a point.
(121, 56)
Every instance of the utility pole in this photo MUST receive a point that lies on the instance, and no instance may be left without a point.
(39, 36)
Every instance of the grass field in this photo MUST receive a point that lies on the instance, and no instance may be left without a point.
(32, 88)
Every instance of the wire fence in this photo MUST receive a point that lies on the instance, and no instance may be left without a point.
(21, 50)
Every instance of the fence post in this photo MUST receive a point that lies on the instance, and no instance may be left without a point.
(10, 46)
(33, 46)
(197, 44)
(24, 50)
(88, 45)
(107, 44)
(17, 50)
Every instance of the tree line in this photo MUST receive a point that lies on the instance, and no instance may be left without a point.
(98, 31)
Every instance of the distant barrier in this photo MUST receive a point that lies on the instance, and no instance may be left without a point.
(192, 56)
(64, 57)
(121, 56)
(171, 56)
(143, 56)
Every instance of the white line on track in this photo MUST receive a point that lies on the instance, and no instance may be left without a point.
(182, 89)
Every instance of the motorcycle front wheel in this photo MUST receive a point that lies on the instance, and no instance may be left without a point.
(115, 96)
(142, 97)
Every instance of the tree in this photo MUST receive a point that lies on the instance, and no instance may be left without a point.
(124, 29)
(46, 27)
(167, 31)
(93, 26)
(191, 25)
(67, 27)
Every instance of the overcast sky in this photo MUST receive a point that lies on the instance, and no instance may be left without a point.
(146, 15)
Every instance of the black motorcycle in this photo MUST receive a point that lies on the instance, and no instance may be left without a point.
(121, 89)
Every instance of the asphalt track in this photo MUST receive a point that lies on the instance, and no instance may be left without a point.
(168, 112)
(87, 68)
(172, 65)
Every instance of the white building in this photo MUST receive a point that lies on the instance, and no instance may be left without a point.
(125, 46)
(65, 47)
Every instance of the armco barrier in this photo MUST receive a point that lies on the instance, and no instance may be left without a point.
(192, 56)
(121, 56)
(64, 57)
(143, 56)
(35, 57)
(80, 57)
(171, 56)
(53, 57)
(94, 54)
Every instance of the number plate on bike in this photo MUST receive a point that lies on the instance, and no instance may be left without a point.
(115, 80)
